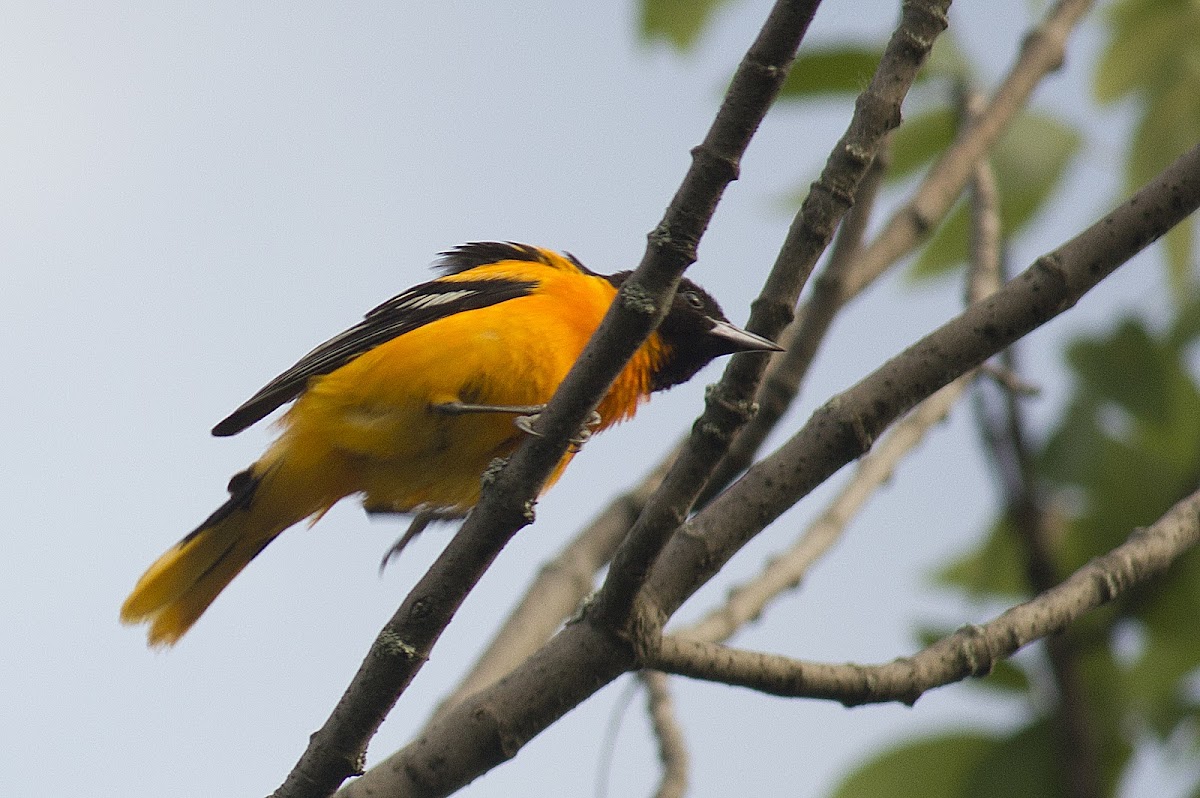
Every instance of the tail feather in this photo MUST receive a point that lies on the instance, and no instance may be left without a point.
(177, 589)
(179, 586)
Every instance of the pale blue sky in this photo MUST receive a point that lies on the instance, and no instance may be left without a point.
(193, 195)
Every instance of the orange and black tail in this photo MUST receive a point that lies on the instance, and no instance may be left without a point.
(177, 589)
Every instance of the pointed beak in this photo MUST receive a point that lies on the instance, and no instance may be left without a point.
(738, 340)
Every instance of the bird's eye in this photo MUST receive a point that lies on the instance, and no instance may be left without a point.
(693, 299)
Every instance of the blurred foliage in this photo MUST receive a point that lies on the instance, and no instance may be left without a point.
(677, 22)
(965, 764)
(1153, 56)
(1029, 161)
(1123, 452)
(1127, 445)
(832, 71)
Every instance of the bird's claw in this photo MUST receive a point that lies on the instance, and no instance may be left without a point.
(525, 424)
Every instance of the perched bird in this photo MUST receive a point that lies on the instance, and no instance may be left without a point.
(408, 407)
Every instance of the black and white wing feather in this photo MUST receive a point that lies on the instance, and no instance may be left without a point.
(414, 308)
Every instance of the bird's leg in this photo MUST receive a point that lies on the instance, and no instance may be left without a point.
(526, 415)
(422, 519)
(461, 408)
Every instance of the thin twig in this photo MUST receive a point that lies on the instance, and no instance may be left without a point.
(985, 272)
(746, 602)
(971, 651)
(781, 382)
(1041, 53)
(672, 746)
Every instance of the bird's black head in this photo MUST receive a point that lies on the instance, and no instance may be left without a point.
(694, 332)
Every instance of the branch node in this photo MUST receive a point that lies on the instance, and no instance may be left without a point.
(718, 397)
(859, 155)
(840, 195)
(976, 654)
(862, 435)
(1034, 38)
(664, 237)
(635, 297)
(389, 644)
(727, 168)
(1109, 583)
(492, 471)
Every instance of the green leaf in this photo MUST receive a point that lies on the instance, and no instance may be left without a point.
(1006, 676)
(947, 248)
(939, 767)
(1178, 244)
(1127, 368)
(947, 60)
(1156, 681)
(1140, 49)
(846, 69)
(1154, 54)
(1107, 706)
(1167, 129)
(921, 139)
(1029, 162)
(832, 70)
(1128, 441)
(1027, 763)
(994, 569)
(1185, 328)
(677, 22)
(1130, 487)
(1147, 376)
(1073, 450)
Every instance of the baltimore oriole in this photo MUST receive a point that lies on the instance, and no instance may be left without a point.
(410, 406)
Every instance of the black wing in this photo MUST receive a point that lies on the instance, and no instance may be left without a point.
(481, 253)
(414, 308)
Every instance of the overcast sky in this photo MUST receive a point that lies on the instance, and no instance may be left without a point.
(193, 195)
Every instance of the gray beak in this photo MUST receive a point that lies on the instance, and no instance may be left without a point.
(738, 340)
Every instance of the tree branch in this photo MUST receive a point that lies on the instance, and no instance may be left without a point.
(560, 586)
(1042, 52)
(492, 725)
(846, 426)
(971, 651)
(924, 211)
(337, 749)
(746, 602)
(672, 747)
(729, 404)
(781, 381)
